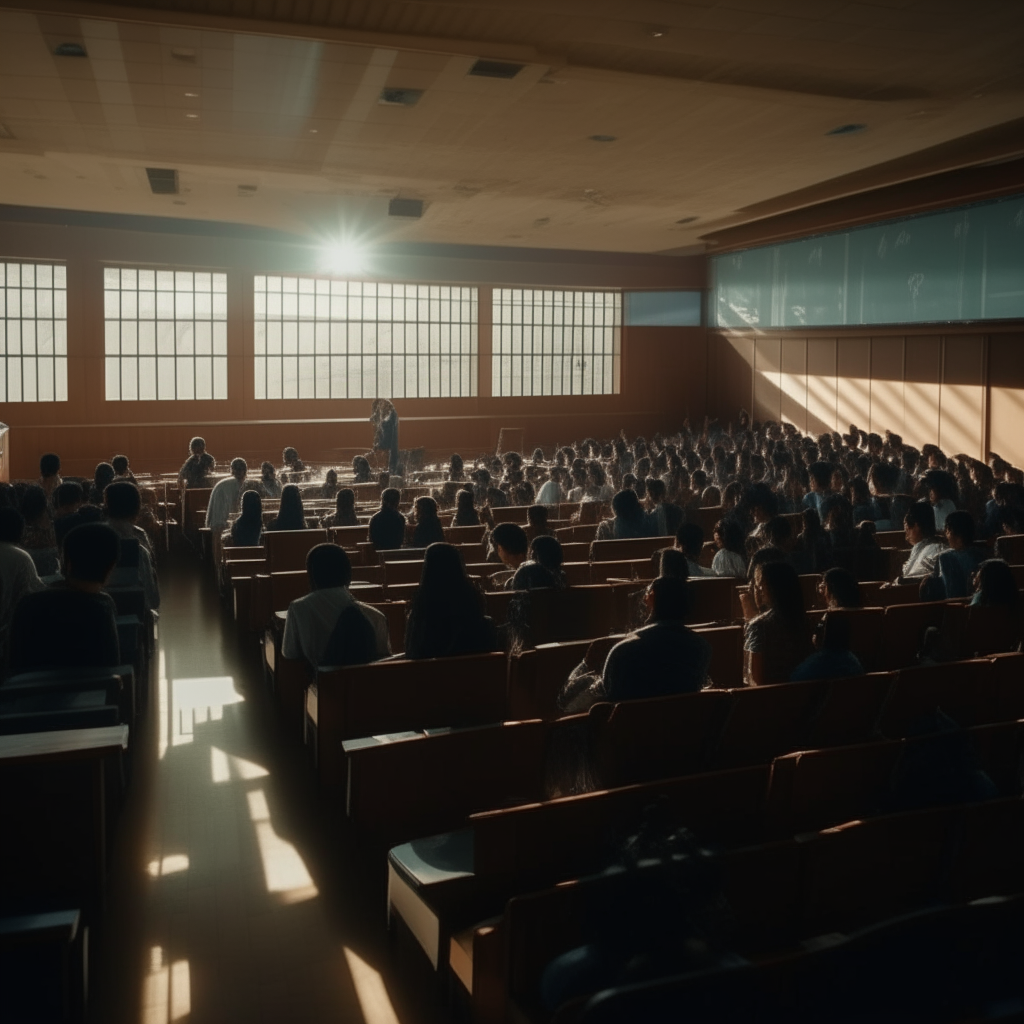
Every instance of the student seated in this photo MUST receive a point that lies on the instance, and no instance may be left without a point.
(544, 569)
(290, 514)
(628, 520)
(269, 485)
(778, 639)
(73, 623)
(247, 530)
(510, 544)
(122, 503)
(344, 513)
(329, 488)
(957, 566)
(196, 469)
(311, 629)
(447, 615)
(665, 657)
(663, 517)
(428, 529)
(833, 659)
(919, 527)
(49, 473)
(361, 469)
(39, 539)
(465, 509)
(66, 500)
(225, 496)
(729, 559)
(18, 574)
(387, 526)
(840, 589)
(995, 586)
(119, 463)
(690, 540)
(294, 469)
(553, 489)
(103, 475)
(537, 522)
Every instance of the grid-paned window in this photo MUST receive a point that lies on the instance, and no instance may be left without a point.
(33, 333)
(319, 337)
(166, 334)
(547, 342)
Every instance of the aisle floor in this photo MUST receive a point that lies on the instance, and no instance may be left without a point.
(232, 897)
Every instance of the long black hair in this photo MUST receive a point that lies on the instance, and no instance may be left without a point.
(290, 516)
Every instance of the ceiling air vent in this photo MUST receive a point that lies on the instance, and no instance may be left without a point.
(405, 208)
(495, 69)
(400, 97)
(247, 191)
(163, 181)
(69, 50)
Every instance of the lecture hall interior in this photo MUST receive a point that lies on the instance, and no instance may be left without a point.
(511, 511)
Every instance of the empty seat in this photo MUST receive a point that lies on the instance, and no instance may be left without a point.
(966, 691)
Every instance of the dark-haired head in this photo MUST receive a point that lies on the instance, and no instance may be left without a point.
(626, 505)
(511, 537)
(426, 509)
(547, 552)
(197, 446)
(12, 525)
(121, 500)
(690, 537)
(390, 497)
(730, 534)
(345, 501)
(291, 515)
(841, 589)
(252, 507)
(537, 516)
(780, 591)
(668, 599)
(33, 504)
(103, 475)
(49, 465)
(672, 562)
(120, 464)
(68, 495)
(995, 584)
(328, 565)
(90, 553)
(919, 521)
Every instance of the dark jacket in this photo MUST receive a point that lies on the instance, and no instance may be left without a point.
(387, 529)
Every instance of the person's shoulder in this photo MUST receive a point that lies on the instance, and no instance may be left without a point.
(372, 613)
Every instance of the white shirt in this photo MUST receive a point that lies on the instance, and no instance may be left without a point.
(924, 557)
(224, 499)
(941, 509)
(312, 618)
(18, 576)
(550, 494)
(729, 563)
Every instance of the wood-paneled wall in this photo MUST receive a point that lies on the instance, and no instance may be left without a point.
(961, 387)
(664, 372)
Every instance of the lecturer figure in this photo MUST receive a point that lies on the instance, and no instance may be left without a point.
(384, 418)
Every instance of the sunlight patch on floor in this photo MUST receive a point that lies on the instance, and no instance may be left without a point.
(283, 868)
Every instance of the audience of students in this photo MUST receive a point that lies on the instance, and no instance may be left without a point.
(344, 509)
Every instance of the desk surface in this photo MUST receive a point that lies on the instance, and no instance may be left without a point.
(34, 745)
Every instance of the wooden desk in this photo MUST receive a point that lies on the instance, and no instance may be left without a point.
(33, 783)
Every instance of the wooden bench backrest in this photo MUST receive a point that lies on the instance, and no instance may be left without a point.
(510, 514)
(966, 691)
(287, 549)
(627, 550)
(903, 629)
(568, 836)
(349, 536)
(464, 534)
(426, 785)
(1010, 547)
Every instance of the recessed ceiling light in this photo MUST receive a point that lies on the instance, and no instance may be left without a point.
(313, 131)
(192, 95)
(602, 138)
(657, 31)
(194, 117)
(847, 129)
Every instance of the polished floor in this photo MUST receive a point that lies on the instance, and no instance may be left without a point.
(236, 895)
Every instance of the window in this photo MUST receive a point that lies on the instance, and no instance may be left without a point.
(33, 333)
(556, 342)
(324, 338)
(663, 309)
(166, 334)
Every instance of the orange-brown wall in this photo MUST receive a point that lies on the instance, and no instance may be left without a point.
(962, 387)
(664, 371)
